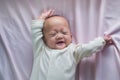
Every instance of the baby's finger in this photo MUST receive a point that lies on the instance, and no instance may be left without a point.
(52, 12)
(48, 12)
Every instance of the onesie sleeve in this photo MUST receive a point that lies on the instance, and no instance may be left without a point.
(84, 50)
(37, 35)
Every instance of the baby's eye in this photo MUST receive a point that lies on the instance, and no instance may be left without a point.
(52, 34)
(64, 33)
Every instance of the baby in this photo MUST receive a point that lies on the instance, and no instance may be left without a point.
(55, 56)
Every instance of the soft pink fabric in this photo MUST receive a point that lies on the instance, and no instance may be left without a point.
(88, 19)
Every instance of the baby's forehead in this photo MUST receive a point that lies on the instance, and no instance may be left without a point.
(55, 21)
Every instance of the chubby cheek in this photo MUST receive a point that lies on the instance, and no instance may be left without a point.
(69, 39)
(50, 42)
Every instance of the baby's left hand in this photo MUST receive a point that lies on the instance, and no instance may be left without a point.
(108, 39)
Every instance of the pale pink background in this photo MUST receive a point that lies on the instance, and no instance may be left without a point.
(88, 19)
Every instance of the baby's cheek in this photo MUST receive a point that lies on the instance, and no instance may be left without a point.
(51, 40)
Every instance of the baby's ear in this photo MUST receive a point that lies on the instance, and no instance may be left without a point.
(43, 38)
(71, 36)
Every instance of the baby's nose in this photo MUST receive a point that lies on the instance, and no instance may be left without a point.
(59, 36)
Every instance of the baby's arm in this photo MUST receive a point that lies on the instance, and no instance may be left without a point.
(37, 35)
(94, 46)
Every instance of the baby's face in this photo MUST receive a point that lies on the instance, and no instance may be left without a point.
(56, 32)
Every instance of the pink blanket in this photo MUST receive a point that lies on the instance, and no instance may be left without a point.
(88, 19)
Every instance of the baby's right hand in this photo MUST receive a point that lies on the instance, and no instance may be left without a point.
(46, 14)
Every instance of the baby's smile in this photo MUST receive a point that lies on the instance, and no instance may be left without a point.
(60, 42)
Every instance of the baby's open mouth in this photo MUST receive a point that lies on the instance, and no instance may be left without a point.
(60, 42)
